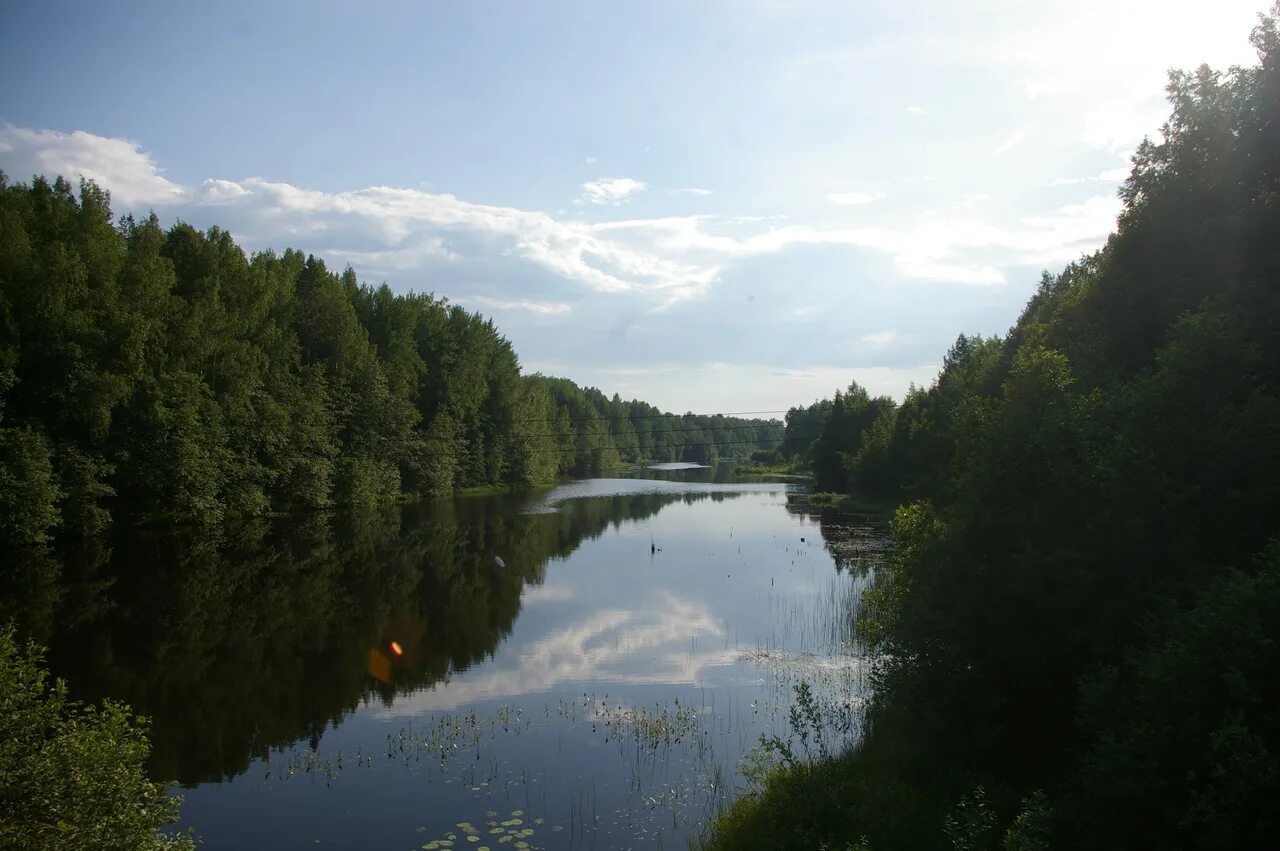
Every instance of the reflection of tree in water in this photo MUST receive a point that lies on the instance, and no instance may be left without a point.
(857, 541)
(262, 635)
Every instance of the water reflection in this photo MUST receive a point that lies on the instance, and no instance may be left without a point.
(281, 646)
(261, 636)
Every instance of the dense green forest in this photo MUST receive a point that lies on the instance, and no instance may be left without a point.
(149, 373)
(1078, 640)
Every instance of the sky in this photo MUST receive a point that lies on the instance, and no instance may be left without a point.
(711, 206)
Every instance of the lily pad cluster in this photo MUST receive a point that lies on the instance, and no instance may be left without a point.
(511, 832)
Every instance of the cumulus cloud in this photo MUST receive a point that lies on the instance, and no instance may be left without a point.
(611, 190)
(118, 164)
(964, 249)
(661, 260)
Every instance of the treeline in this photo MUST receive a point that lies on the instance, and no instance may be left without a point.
(153, 373)
(1079, 635)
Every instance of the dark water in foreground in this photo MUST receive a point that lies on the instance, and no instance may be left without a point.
(585, 667)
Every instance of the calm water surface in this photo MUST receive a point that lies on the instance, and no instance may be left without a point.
(586, 667)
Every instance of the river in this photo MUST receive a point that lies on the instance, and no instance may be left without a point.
(590, 666)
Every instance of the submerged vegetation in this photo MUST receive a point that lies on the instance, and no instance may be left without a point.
(1077, 631)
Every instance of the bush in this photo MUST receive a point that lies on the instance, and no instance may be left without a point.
(71, 776)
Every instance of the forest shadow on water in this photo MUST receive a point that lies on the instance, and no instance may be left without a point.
(607, 658)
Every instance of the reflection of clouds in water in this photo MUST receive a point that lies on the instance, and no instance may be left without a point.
(552, 500)
(642, 646)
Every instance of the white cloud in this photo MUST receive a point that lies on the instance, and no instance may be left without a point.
(691, 190)
(611, 190)
(849, 199)
(915, 110)
(661, 260)
(412, 255)
(117, 164)
(216, 191)
(638, 370)
(1010, 143)
(592, 160)
(538, 308)
(756, 386)
(935, 248)
(408, 226)
(1111, 175)
(880, 338)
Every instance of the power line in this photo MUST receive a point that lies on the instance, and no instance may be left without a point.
(560, 450)
(664, 431)
(652, 416)
(574, 435)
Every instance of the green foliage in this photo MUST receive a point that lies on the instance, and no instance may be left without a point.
(1183, 738)
(973, 823)
(1074, 603)
(152, 374)
(71, 776)
(28, 493)
(1031, 829)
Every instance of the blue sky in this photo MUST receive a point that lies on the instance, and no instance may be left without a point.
(711, 206)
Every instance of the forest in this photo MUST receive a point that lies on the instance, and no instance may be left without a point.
(164, 375)
(1078, 639)
(1075, 643)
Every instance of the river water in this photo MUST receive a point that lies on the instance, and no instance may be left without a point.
(591, 666)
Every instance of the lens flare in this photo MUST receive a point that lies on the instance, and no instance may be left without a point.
(396, 648)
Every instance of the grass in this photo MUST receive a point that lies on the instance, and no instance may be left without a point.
(860, 799)
(852, 503)
(755, 468)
